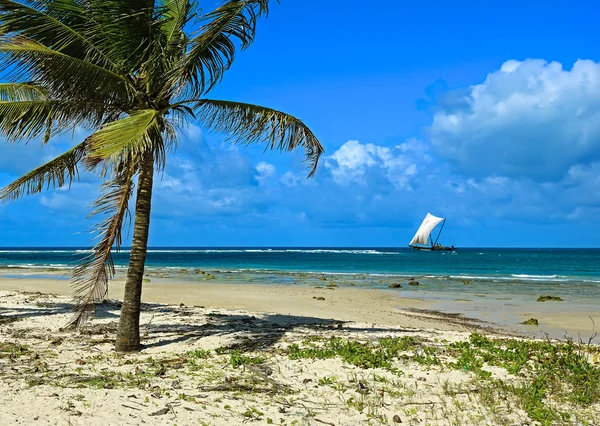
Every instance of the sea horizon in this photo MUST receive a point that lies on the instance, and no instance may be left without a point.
(303, 247)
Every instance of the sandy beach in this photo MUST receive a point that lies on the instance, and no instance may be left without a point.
(217, 354)
(344, 304)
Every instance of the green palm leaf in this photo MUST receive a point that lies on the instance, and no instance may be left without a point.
(176, 13)
(124, 28)
(54, 174)
(28, 119)
(16, 92)
(130, 136)
(62, 75)
(47, 25)
(247, 123)
(212, 52)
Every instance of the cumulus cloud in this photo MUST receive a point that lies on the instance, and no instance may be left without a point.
(264, 171)
(530, 118)
(355, 162)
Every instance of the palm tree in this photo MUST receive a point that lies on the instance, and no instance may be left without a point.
(132, 72)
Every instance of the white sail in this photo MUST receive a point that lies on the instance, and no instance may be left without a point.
(425, 229)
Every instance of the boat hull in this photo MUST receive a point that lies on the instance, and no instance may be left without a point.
(440, 248)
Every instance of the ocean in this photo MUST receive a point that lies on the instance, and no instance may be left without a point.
(479, 282)
(503, 265)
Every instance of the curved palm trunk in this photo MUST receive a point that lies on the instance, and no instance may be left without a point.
(128, 333)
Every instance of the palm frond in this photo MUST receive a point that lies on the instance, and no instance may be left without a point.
(90, 278)
(130, 136)
(28, 119)
(59, 25)
(16, 92)
(54, 174)
(62, 75)
(212, 52)
(247, 123)
(123, 28)
(175, 14)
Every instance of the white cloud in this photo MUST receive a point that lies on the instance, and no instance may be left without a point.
(291, 179)
(359, 163)
(528, 119)
(264, 171)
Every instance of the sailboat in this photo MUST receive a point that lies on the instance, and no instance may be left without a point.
(423, 240)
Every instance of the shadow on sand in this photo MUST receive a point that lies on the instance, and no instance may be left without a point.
(189, 324)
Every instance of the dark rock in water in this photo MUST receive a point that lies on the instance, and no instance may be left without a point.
(549, 299)
(465, 282)
(395, 285)
(531, 321)
(413, 283)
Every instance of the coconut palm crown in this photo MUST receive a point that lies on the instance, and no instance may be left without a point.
(131, 72)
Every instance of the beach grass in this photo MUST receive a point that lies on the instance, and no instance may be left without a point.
(552, 382)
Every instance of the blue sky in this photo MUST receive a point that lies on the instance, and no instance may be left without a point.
(489, 116)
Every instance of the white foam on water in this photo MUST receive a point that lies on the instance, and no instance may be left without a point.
(333, 251)
(534, 276)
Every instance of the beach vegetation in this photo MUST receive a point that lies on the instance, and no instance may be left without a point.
(199, 354)
(539, 377)
(12, 350)
(236, 359)
(363, 355)
(549, 299)
(327, 380)
(132, 74)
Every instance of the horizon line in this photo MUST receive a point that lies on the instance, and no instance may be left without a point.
(300, 247)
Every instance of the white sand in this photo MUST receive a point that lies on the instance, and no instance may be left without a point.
(75, 377)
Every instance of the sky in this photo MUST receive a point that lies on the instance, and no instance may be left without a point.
(486, 113)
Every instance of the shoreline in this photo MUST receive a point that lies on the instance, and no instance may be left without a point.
(387, 306)
(186, 271)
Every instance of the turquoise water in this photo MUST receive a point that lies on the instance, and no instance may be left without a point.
(506, 265)
(492, 271)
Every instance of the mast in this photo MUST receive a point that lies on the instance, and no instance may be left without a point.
(439, 233)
